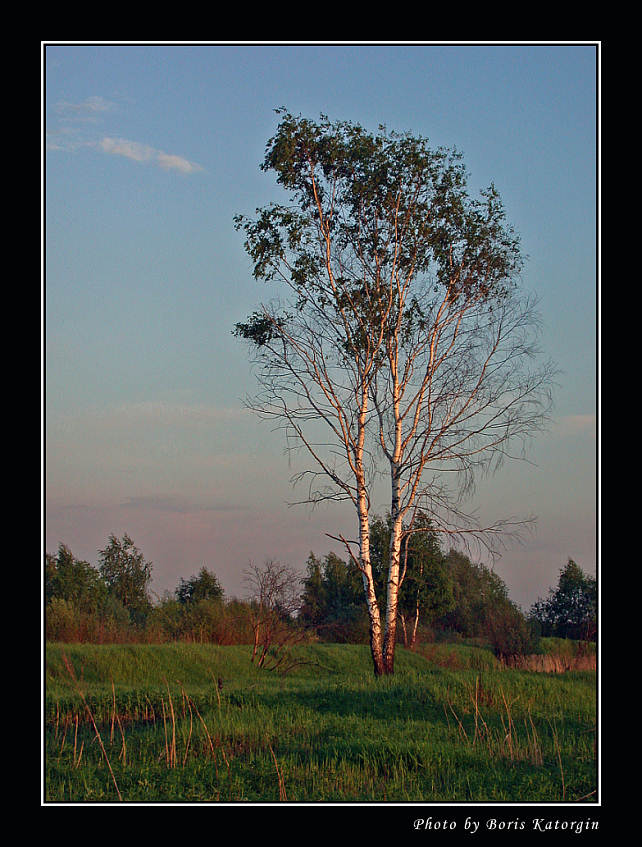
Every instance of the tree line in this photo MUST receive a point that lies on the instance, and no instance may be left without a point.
(442, 596)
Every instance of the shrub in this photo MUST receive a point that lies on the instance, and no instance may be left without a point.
(509, 633)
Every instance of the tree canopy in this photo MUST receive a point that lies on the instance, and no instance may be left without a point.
(402, 340)
(127, 574)
(204, 586)
(74, 580)
(570, 610)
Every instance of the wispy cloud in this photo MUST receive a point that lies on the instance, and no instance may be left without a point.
(178, 163)
(89, 108)
(69, 133)
(145, 154)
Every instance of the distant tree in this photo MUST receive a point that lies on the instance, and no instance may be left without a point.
(332, 601)
(313, 598)
(204, 586)
(127, 575)
(274, 600)
(478, 593)
(483, 609)
(509, 632)
(570, 610)
(168, 616)
(425, 588)
(79, 605)
(73, 580)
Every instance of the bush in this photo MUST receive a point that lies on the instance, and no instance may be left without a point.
(509, 633)
(65, 621)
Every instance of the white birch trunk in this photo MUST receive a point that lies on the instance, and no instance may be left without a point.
(413, 637)
(396, 528)
(392, 604)
(368, 584)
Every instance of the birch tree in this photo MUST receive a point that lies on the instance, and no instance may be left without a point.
(424, 581)
(398, 341)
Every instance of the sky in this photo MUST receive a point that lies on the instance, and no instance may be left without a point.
(149, 150)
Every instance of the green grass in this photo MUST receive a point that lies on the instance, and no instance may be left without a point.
(149, 723)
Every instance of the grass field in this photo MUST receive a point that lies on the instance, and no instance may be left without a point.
(199, 723)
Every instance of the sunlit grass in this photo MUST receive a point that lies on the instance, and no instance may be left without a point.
(198, 723)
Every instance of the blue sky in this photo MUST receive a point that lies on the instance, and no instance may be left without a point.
(149, 152)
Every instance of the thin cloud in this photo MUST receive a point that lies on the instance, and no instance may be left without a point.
(90, 107)
(68, 131)
(145, 154)
(178, 163)
(129, 149)
(71, 135)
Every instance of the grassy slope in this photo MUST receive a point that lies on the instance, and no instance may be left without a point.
(327, 731)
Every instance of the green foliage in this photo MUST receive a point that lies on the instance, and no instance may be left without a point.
(79, 605)
(483, 609)
(332, 601)
(477, 591)
(382, 178)
(127, 575)
(510, 633)
(204, 586)
(67, 622)
(109, 603)
(570, 610)
(426, 584)
(450, 593)
(390, 204)
(112, 605)
(567, 648)
(205, 621)
(73, 580)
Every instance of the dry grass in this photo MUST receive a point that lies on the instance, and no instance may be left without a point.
(552, 663)
(81, 694)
